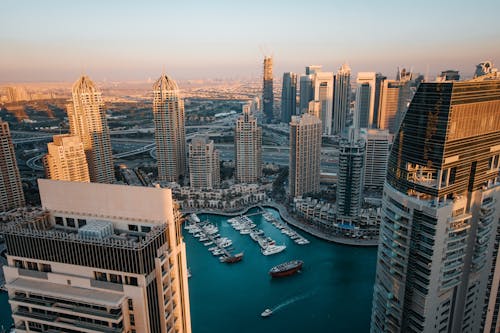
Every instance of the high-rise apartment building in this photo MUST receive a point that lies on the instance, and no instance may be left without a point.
(376, 156)
(350, 176)
(341, 99)
(288, 97)
(204, 168)
(248, 148)
(87, 120)
(437, 266)
(323, 93)
(97, 258)
(306, 92)
(267, 90)
(367, 99)
(66, 160)
(305, 153)
(11, 189)
(170, 131)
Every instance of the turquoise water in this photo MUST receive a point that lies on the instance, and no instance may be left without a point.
(332, 293)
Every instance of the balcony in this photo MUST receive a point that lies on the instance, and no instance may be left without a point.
(452, 266)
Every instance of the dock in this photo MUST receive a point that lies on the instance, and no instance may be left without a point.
(285, 229)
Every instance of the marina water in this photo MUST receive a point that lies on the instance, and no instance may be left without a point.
(332, 293)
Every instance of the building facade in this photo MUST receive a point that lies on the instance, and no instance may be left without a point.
(11, 189)
(350, 177)
(248, 148)
(305, 151)
(98, 258)
(170, 131)
(367, 99)
(267, 90)
(87, 120)
(204, 168)
(376, 156)
(439, 233)
(341, 99)
(323, 93)
(288, 97)
(66, 160)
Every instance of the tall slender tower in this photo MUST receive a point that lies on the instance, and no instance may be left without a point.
(377, 153)
(66, 159)
(248, 148)
(288, 97)
(341, 100)
(98, 258)
(87, 120)
(204, 169)
(367, 99)
(11, 190)
(306, 92)
(170, 131)
(267, 89)
(440, 212)
(305, 154)
(323, 93)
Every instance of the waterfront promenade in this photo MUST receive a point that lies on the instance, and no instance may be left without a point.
(304, 226)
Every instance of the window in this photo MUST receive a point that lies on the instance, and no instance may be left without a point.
(45, 268)
(133, 227)
(81, 222)
(131, 280)
(59, 220)
(18, 263)
(145, 229)
(100, 276)
(70, 222)
(130, 304)
(132, 319)
(115, 278)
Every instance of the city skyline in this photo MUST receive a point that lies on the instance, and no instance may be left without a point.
(221, 39)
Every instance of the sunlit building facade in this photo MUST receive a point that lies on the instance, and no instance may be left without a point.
(66, 160)
(248, 148)
(204, 169)
(11, 189)
(170, 130)
(437, 265)
(267, 90)
(87, 120)
(98, 258)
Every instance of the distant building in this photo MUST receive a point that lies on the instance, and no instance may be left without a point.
(376, 156)
(485, 68)
(341, 99)
(87, 120)
(438, 264)
(98, 258)
(204, 168)
(66, 159)
(323, 93)
(448, 75)
(313, 69)
(267, 90)
(11, 190)
(305, 151)
(170, 131)
(315, 109)
(288, 97)
(367, 99)
(306, 93)
(350, 176)
(248, 148)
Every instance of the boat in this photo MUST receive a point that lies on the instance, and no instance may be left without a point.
(273, 249)
(286, 268)
(245, 231)
(266, 313)
(195, 218)
(208, 243)
(232, 259)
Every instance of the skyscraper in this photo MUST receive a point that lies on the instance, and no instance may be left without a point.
(306, 93)
(204, 169)
(367, 99)
(87, 120)
(341, 100)
(288, 97)
(248, 148)
(98, 258)
(267, 89)
(436, 268)
(170, 131)
(323, 93)
(350, 176)
(391, 93)
(11, 190)
(376, 156)
(66, 159)
(305, 153)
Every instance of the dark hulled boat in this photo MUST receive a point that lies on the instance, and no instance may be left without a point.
(286, 268)
(233, 259)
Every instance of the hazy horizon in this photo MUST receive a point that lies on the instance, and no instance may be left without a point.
(55, 41)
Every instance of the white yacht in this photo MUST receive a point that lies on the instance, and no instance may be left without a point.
(266, 313)
(273, 249)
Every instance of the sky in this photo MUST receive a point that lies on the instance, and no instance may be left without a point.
(117, 40)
